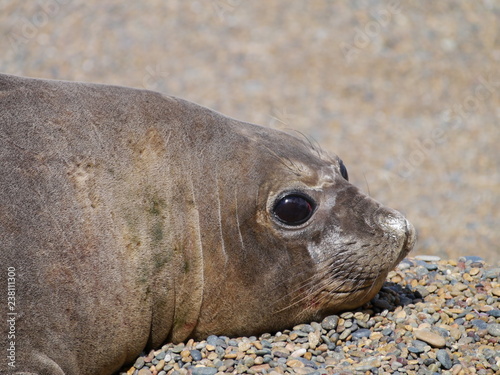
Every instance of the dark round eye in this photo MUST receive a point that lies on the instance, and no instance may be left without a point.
(293, 209)
(343, 171)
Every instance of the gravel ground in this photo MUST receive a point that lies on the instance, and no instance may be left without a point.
(406, 92)
(431, 317)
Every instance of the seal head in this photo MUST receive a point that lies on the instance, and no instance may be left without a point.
(308, 242)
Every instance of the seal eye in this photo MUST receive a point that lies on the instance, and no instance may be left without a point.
(293, 209)
(343, 170)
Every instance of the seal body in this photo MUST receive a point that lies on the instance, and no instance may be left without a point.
(129, 218)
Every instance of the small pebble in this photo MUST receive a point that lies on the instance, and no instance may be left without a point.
(471, 259)
(203, 370)
(480, 324)
(431, 338)
(330, 322)
(196, 355)
(428, 258)
(494, 313)
(493, 329)
(417, 347)
(361, 333)
(493, 273)
(139, 363)
(444, 358)
(298, 353)
(405, 264)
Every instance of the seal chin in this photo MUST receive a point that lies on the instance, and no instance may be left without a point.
(346, 295)
(362, 293)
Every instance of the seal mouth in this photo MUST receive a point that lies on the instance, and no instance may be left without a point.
(340, 299)
(354, 289)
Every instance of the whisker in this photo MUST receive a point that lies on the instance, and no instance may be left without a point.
(367, 185)
(322, 285)
(313, 143)
(291, 165)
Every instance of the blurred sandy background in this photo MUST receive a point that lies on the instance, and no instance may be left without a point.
(406, 92)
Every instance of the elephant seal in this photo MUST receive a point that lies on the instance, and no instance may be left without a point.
(129, 218)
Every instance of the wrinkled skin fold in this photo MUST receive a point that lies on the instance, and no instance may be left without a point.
(132, 218)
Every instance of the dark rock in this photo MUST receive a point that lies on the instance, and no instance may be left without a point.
(417, 346)
(161, 355)
(387, 332)
(480, 324)
(382, 304)
(196, 355)
(492, 273)
(308, 363)
(307, 328)
(493, 329)
(361, 333)
(139, 363)
(444, 358)
(494, 313)
(262, 352)
(203, 370)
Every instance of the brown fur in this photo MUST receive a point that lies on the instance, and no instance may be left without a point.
(133, 218)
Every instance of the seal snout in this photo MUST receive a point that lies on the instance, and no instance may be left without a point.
(400, 229)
